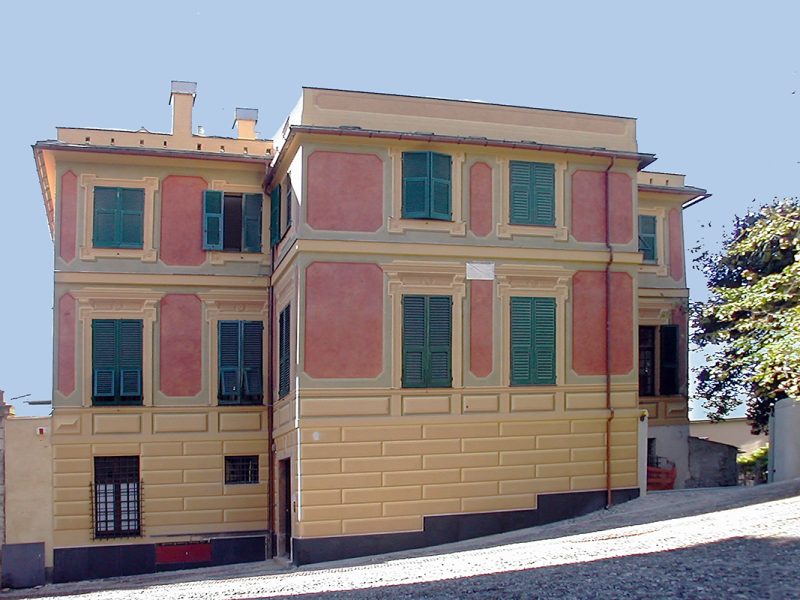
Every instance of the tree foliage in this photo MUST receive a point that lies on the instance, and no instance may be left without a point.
(750, 325)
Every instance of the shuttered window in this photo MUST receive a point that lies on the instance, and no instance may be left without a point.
(240, 362)
(426, 186)
(116, 361)
(532, 199)
(118, 220)
(647, 238)
(232, 222)
(427, 341)
(284, 350)
(665, 379)
(275, 216)
(533, 341)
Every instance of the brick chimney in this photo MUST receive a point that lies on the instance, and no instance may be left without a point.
(245, 120)
(182, 95)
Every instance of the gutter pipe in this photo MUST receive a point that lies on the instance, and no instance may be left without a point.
(609, 408)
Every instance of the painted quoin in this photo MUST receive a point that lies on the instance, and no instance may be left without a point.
(403, 321)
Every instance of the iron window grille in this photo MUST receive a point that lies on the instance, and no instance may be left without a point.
(241, 469)
(117, 501)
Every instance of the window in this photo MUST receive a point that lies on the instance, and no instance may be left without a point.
(117, 496)
(533, 341)
(118, 217)
(647, 238)
(426, 186)
(231, 222)
(275, 216)
(532, 199)
(116, 361)
(289, 198)
(241, 469)
(427, 341)
(240, 362)
(659, 360)
(284, 350)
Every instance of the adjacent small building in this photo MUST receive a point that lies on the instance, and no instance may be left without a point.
(402, 321)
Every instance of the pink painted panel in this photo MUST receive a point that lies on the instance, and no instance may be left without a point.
(480, 199)
(675, 245)
(344, 191)
(68, 216)
(182, 220)
(344, 320)
(180, 332)
(480, 327)
(67, 319)
(589, 326)
(588, 207)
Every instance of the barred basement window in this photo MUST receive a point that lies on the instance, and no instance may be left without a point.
(117, 497)
(241, 469)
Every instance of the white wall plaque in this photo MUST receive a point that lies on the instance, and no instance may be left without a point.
(483, 271)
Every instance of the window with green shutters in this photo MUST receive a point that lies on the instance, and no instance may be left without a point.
(659, 373)
(284, 350)
(427, 341)
(647, 238)
(275, 216)
(533, 341)
(426, 186)
(533, 198)
(116, 361)
(118, 220)
(240, 362)
(232, 222)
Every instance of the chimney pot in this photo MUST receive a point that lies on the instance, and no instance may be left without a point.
(245, 120)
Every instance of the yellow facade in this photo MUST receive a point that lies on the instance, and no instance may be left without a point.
(356, 454)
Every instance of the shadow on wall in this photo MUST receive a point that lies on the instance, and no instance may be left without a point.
(748, 567)
(711, 464)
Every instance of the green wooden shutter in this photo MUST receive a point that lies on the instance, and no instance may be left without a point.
(521, 341)
(414, 341)
(212, 220)
(229, 359)
(669, 360)
(439, 317)
(284, 351)
(647, 238)
(129, 356)
(289, 200)
(130, 220)
(544, 341)
(251, 223)
(104, 228)
(252, 360)
(275, 216)
(440, 194)
(544, 198)
(104, 360)
(416, 185)
(521, 189)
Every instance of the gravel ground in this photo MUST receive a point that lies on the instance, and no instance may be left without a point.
(715, 543)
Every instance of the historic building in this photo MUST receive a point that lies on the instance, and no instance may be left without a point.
(402, 321)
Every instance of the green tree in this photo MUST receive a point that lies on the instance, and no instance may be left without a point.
(750, 325)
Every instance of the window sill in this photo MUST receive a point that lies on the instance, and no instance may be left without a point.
(220, 257)
(143, 254)
(455, 228)
(654, 268)
(507, 231)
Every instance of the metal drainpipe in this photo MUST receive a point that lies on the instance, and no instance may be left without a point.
(610, 251)
(269, 395)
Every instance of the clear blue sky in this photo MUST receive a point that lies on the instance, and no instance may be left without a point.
(711, 84)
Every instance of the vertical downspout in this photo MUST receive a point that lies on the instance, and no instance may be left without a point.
(270, 385)
(610, 410)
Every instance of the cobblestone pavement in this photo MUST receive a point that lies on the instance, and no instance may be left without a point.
(713, 543)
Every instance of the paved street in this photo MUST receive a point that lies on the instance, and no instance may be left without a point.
(714, 543)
